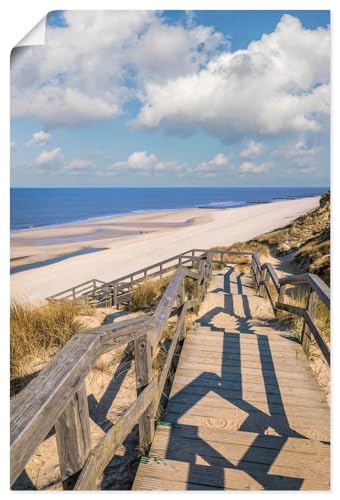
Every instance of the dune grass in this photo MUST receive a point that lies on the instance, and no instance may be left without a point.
(147, 294)
(39, 332)
(242, 262)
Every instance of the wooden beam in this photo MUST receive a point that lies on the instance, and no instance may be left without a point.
(101, 455)
(167, 302)
(321, 289)
(35, 410)
(143, 364)
(73, 436)
(170, 354)
(114, 335)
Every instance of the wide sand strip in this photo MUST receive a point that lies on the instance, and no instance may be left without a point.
(135, 241)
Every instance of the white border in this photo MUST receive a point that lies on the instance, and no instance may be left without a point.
(18, 18)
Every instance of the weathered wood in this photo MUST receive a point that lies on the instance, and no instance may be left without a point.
(115, 335)
(35, 410)
(294, 278)
(262, 287)
(73, 435)
(321, 288)
(299, 311)
(101, 455)
(167, 364)
(143, 364)
(167, 302)
(273, 275)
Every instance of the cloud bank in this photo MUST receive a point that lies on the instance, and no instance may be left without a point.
(184, 77)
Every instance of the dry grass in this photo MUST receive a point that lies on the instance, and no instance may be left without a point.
(147, 294)
(242, 261)
(39, 332)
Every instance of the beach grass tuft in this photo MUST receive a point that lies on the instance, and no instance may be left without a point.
(37, 332)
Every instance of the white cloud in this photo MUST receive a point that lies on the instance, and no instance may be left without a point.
(144, 163)
(39, 138)
(302, 152)
(252, 150)
(49, 157)
(219, 164)
(88, 70)
(249, 167)
(79, 165)
(279, 84)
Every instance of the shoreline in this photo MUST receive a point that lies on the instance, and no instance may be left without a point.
(209, 206)
(133, 241)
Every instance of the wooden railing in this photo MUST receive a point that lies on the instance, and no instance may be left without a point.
(309, 289)
(118, 291)
(57, 397)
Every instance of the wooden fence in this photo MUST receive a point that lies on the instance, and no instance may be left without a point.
(57, 397)
(309, 289)
(118, 291)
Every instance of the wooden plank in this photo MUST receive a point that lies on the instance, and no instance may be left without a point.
(167, 302)
(318, 338)
(253, 394)
(234, 381)
(101, 455)
(73, 435)
(176, 446)
(216, 400)
(248, 352)
(294, 278)
(279, 339)
(210, 436)
(165, 370)
(275, 424)
(279, 374)
(184, 476)
(242, 360)
(143, 364)
(208, 407)
(116, 334)
(320, 288)
(35, 410)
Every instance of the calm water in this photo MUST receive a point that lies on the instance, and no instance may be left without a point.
(34, 207)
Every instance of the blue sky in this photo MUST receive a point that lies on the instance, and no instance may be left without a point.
(204, 98)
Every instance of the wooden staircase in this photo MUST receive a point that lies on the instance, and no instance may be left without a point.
(245, 411)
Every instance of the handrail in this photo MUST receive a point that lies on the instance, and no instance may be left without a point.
(49, 398)
(315, 283)
(57, 396)
(316, 288)
(110, 290)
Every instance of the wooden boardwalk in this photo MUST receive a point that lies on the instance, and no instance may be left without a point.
(245, 411)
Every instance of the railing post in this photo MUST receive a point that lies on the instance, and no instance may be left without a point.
(262, 281)
(282, 293)
(73, 437)
(311, 309)
(115, 295)
(143, 363)
(161, 270)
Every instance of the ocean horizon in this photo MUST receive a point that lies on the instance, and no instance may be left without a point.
(41, 207)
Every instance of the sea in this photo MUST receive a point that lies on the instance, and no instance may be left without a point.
(39, 207)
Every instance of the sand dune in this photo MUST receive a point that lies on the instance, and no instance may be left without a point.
(135, 241)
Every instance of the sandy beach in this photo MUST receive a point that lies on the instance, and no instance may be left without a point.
(114, 246)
